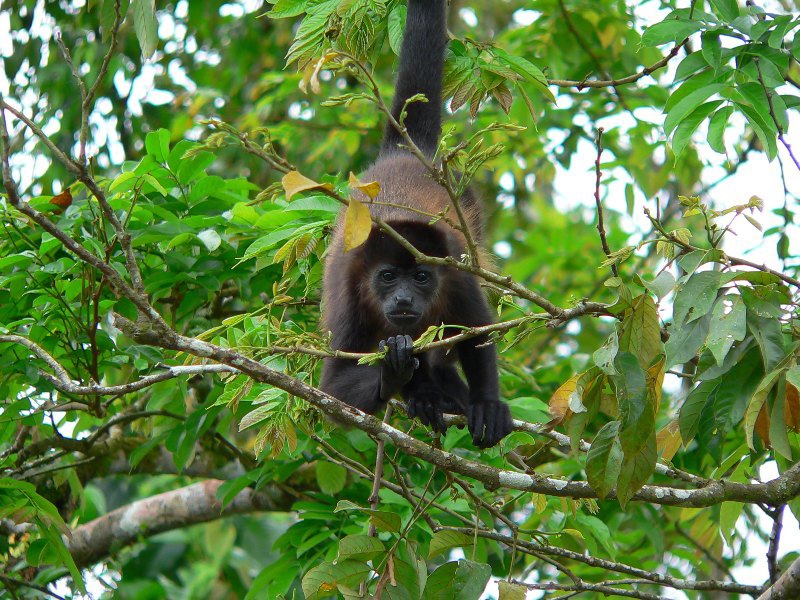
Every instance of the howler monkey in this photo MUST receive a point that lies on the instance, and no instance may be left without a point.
(377, 296)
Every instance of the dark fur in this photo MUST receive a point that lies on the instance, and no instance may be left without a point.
(355, 306)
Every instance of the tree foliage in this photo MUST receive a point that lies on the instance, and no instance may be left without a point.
(171, 174)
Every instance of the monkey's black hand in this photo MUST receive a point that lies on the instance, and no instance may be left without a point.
(489, 422)
(426, 404)
(398, 365)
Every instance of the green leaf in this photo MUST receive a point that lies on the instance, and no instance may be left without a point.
(689, 415)
(769, 337)
(716, 128)
(757, 403)
(671, 30)
(383, 520)
(636, 470)
(636, 413)
(323, 580)
(728, 325)
(444, 540)
(282, 9)
(729, 514)
(779, 440)
(604, 356)
(727, 9)
(793, 376)
(530, 72)
(157, 144)
(726, 406)
(765, 130)
(597, 530)
(712, 48)
(685, 341)
(360, 547)
(145, 25)
(692, 93)
(641, 331)
(464, 580)
(331, 477)
(604, 460)
(691, 64)
(660, 286)
(696, 296)
(683, 132)
(191, 168)
(396, 27)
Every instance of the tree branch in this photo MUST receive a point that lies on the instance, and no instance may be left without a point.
(196, 503)
(788, 585)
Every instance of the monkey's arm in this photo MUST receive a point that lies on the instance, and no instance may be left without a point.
(353, 384)
(489, 419)
(367, 387)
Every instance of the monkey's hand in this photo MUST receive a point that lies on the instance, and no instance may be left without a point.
(398, 365)
(489, 422)
(426, 404)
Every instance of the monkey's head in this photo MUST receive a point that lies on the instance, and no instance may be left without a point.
(407, 294)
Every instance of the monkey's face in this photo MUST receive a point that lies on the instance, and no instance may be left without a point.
(405, 294)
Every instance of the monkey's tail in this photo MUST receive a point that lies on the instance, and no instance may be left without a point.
(421, 64)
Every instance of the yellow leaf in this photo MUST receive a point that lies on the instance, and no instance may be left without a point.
(357, 225)
(294, 183)
(371, 188)
(559, 402)
(668, 440)
(607, 35)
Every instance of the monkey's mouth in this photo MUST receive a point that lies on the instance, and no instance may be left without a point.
(403, 317)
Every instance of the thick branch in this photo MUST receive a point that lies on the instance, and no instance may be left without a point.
(788, 585)
(777, 491)
(196, 503)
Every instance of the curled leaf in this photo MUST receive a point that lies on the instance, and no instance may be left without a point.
(294, 182)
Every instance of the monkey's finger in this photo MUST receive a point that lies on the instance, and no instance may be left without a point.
(478, 427)
(411, 409)
(403, 351)
(435, 417)
(392, 354)
(440, 425)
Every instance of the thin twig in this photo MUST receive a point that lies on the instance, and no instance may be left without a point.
(774, 542)
(601, 228)
(12, 583)
(374, 497)
(580, 85)
(617, 567)
(733, 260)
(605, 590)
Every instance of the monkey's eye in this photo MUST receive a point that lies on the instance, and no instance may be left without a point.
(387, 276)
(421, 277)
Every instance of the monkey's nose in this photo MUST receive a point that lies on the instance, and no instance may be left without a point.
(404, 301)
